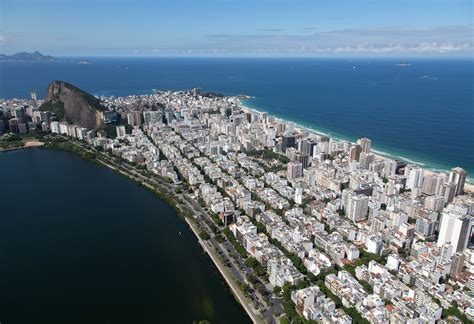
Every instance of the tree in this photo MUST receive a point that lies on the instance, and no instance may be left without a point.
(284, 320)
(203, 235)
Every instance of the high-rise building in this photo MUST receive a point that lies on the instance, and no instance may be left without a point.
(20, 114)
(299, 195)
(434, 203)
(34, 97)
(365, 159)
(13, 125)
(457, 264)
(169, 116)
(22, 129)
(294, 170)
(429, 185)
(121, 132)
(425, 226)
(355, 152)
(63, 128)
(447, 251)
(448, 191)
(54, 127)
(303, 158)
(390, 167)
(365, 144)
(456, 230)
(134, 118)
(306, 146)
(287, 141)
(358, 207)
(414, 176)
(458, 177)
(152, 117)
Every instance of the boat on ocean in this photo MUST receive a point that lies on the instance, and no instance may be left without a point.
(403, 63)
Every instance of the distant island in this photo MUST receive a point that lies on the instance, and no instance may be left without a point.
(403, 63)
(27, 57)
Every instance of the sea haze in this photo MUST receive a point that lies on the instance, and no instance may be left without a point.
(423, 112)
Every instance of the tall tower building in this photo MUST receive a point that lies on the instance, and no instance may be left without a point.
(287, 140)
(34, 98)
(458, 177)
(415, 176)
(121, 132)
(457, 264)
(365, 144)
(429, 185)
(358, 207)
(299, 195)
(294, 170)
(455, 229)
(355, 152)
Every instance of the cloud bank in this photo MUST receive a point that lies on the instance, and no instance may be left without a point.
(307, 41)
(390, 40)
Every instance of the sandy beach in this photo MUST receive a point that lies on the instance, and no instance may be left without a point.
(33, 143)
(468, 188)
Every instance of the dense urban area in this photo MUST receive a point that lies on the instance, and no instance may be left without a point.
(303, 227)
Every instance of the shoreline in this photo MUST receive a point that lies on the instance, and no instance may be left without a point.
(235, 290)
(468, 186)
(215, 260)
(27, 144)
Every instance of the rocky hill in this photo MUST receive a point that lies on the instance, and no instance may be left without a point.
(72, 104)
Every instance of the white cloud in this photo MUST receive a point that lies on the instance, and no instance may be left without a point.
(3, 37)
(388, 40)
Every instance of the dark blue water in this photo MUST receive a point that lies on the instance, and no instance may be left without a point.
(423, 112)
(82, 244)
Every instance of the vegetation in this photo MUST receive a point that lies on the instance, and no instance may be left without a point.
(257, 267)
(268, 155)
(454, 311)
(11, 141)
(289, 306)
(215, 218)
(203, 235)
(54, 106)
(111, 129)
(213, 95)
(297, 262)
(90, 99)
(230, 236)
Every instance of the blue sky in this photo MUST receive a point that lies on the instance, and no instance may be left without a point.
(238, 28)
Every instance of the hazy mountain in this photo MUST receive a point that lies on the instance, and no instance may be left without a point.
(25, 56)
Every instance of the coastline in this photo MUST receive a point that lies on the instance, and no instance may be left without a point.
(468, 186)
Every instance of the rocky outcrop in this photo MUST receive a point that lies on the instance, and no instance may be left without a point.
(72, 104)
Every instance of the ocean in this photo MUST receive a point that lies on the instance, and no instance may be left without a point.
(421, 113)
